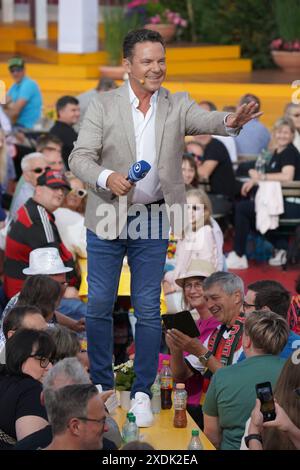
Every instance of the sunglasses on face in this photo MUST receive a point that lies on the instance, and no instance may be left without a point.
(15, 69)
(38, 170)
(193, 155)
(79, 192)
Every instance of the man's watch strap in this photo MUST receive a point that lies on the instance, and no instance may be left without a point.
(204, 357)
(253, 436)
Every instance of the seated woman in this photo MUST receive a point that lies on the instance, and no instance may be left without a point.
(70, 218)
(283, 166)
(215, 167)
(28, 359)
(67, 344)
(203, 241)
(189, 171)
(191, 283)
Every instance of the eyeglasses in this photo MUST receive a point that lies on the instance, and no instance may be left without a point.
(246, 305)
(79, 192)
(191, 285)
(99, 421)
(44, 361)
(193, 155)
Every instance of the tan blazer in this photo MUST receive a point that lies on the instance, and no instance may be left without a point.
(106, 140)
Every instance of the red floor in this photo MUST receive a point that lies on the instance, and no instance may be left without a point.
(259, 271)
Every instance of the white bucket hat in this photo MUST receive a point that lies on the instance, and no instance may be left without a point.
(45, 261)
(197, 268)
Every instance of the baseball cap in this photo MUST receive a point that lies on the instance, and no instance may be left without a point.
(53, 179)
(16, 62)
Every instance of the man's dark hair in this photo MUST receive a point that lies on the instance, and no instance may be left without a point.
(139, 36)
(15, 317)
(63, 101)
(42, 291)
(275, 298)
(264, 283)
(246, 99)
(45, 139)
(19, 348)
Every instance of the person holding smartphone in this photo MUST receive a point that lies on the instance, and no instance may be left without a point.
(231, 394)
(282, 433)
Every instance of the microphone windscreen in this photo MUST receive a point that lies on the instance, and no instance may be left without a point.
(138, 171)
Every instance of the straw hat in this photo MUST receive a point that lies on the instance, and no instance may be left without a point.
(197, 268)
(45, 261)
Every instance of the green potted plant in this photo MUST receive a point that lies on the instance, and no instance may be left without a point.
(124, 377)
(116, 25)
(285, 49)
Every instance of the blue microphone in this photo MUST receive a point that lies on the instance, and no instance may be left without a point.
(137, 172)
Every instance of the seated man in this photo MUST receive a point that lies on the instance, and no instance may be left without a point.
(46, 261)
(231, 394)
(273, 296)
(68, 114)
(51, 148)
(224, 293)
(34, 227)
(73, 412)
(32, 165)
(20, 317)
(24, 99)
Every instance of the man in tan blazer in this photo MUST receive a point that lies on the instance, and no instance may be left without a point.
(139, 121)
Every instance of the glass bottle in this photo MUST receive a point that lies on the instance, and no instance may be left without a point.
(180, 400)
(260, 164)
(195, 442)
(166, 386)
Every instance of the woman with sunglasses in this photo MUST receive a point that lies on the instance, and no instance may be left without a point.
(70, 217)
(28, 359)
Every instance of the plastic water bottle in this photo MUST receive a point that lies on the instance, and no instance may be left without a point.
(180, 400)
(131, 430)
(195, 442)
(125, 425)
(260, 164)
(156, 395)
(166, 386)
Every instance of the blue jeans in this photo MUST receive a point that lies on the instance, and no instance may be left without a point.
(146, 259)
(73, 308)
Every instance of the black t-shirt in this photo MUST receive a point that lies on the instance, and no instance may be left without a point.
(222, 180)
(288, 156)
(42, 438)
(19, 396)
(68, 136)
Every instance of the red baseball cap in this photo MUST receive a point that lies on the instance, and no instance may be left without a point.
(53, 179)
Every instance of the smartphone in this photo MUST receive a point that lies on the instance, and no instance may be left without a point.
(265, 395)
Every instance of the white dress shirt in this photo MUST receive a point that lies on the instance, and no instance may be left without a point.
(148, 189)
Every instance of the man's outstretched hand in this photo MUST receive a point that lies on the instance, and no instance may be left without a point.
(243, 114)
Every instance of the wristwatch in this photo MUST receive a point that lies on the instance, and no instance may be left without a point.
(204, 357)
(252, 436)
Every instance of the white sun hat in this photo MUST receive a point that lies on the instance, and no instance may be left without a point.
(45, 261)
(197, 268)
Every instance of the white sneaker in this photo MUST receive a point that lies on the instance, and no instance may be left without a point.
(141, 408)
(278, 259)
(233, 261)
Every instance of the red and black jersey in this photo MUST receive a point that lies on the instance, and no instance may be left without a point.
(34, 227)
